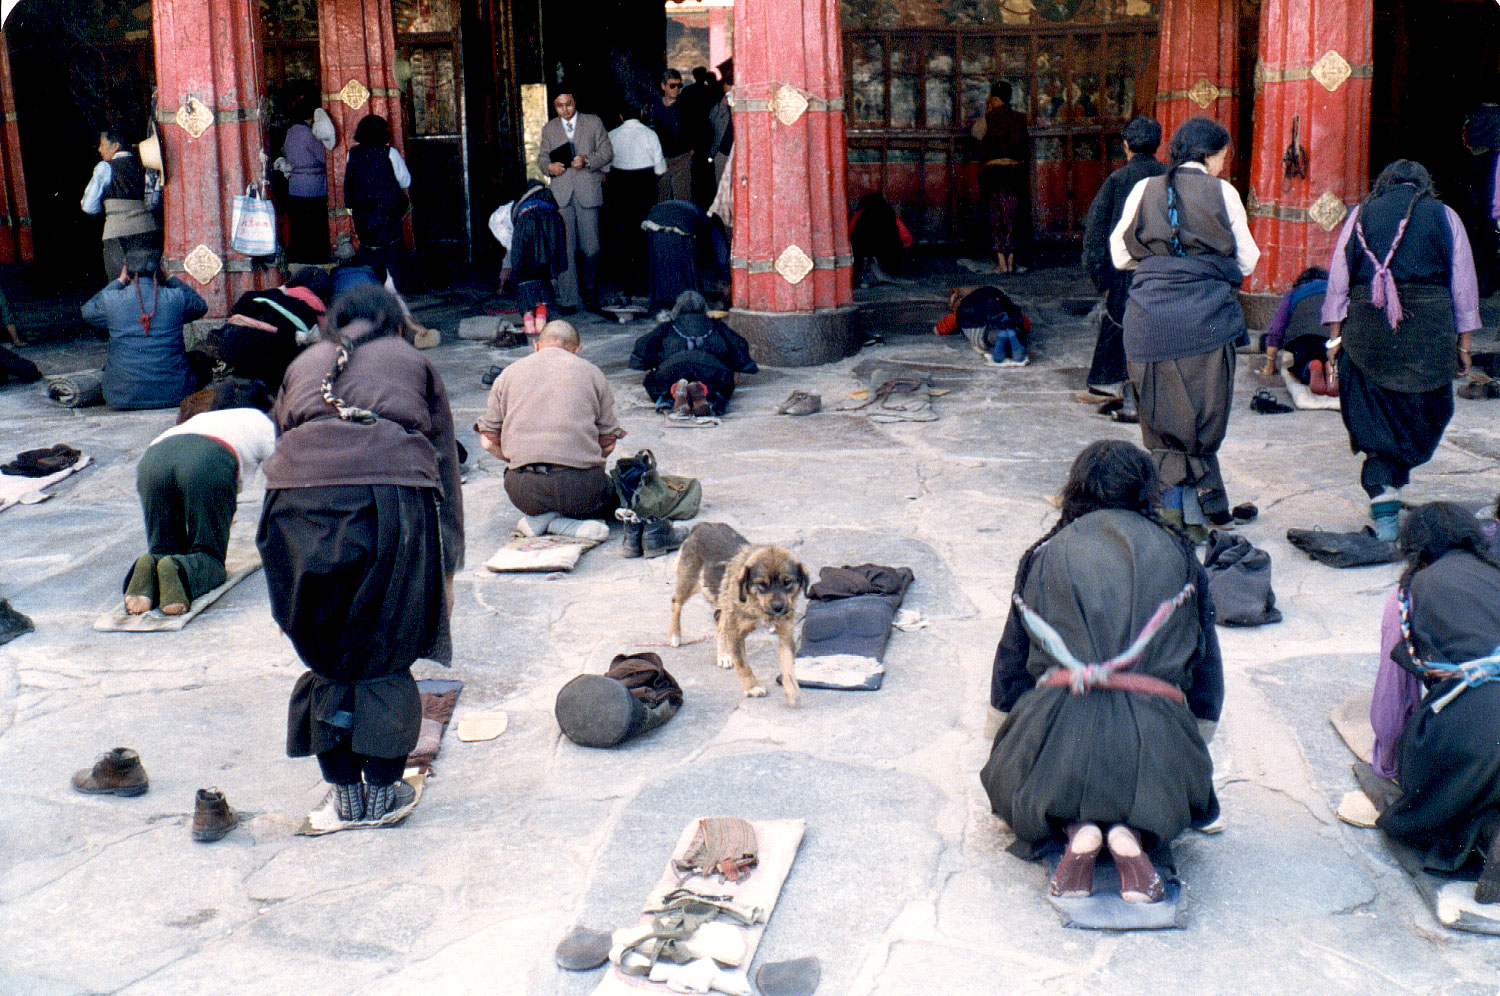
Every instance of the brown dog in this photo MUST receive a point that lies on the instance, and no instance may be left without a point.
(748, 586)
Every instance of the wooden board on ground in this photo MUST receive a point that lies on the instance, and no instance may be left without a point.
(777, 843)
(1450, 899)
(1303, 398)
(241, 561)
(525, 554)
(325, 818)
(1351, 719)
(1105, 910)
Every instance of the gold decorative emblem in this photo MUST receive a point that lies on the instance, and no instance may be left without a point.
(354, 94)
(1252, 203)
(1204, 93)
(788, 105)
(793, 264)
(202, 265)
(194, 117)
(1328, 211)
(1331, 70)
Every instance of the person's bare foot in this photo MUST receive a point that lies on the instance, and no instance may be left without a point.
(137, 605)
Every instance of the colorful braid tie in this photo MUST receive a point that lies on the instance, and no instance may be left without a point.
(1084, 676)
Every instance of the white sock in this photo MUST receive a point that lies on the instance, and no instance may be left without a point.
(535, 525)
(587, 529)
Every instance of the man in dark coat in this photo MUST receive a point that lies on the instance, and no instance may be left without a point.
(1005, 174)
(1141, 136)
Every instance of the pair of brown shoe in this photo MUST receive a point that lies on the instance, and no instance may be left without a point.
(690, 398)
(121, 773)
(1074, 876)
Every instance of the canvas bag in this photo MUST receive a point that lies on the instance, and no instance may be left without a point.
(253, 224)
(647, 492)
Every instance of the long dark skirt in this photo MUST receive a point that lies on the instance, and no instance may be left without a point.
(1395, 430)
(355, 578)
(629, 195)
(1184, 407)
(1450, 777)
(1105, 757)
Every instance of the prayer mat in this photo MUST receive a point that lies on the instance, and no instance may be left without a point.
(78, 389)
(325, 818)
(477, 726)
(675, 421)
(30, 490)
(539, 553)
(1351, 718)
(439, 696)
(1105, 910)
(241, 561)
(1451, 900)
(1302, 396)
(753, 897)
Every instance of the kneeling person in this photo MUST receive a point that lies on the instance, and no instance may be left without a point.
(188, 479)
(551, 416)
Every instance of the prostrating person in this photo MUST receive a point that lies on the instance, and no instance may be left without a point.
(1141, 138)
(1436, 705)
(1110, 675)
(147, 364)
(360, 534)
(551, 417)
(537, 253)
(188, 480)
(1186, 236)
(1297, 327)
(1402, 305)
(691, 359)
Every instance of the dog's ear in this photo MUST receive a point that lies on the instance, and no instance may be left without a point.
(802, 579)
(744, 585)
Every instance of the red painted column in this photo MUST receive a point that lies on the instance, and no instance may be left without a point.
(208, 75)
(357, 49)
(1198, 70)
(1315, 68)
(792, 268)
(15, 225)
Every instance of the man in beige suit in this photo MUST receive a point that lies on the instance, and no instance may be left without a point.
(578, 186)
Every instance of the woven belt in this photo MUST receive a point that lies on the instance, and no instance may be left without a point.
(536, 468)
(1125, 681)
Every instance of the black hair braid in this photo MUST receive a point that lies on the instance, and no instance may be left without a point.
(1402, 171)
(1438, 528)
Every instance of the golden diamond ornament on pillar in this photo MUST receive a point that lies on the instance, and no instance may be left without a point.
(1331, 70)
(1327, 211)
(202, 265)
(1204, 93)
(194, 117)
(793, 264)
(354, 94)
(788, 104)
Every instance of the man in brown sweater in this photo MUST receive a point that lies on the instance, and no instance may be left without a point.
(551, 416)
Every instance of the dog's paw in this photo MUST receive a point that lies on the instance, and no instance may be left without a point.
(793, 700)
(755, 692)
(726, 661)
(676, 639)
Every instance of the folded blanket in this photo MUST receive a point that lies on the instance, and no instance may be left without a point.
(439, 696)
(862, 579)
(77, 389)
(848, 624)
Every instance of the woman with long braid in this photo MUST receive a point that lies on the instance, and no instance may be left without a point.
(1436, 705)
(1401, 307)
(1119, 742)
(361, 533)
(1186, 236)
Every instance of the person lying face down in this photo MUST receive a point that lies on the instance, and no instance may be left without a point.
(699, 353)
(551, 416)
(188, 480)
(1111, 755)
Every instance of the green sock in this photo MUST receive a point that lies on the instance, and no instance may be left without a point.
(143, 577)
(170, 587)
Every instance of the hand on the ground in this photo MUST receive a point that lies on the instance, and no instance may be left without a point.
(1269, 367)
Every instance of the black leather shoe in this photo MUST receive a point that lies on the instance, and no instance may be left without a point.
(631, 546)
(659, 536)
(488, 377)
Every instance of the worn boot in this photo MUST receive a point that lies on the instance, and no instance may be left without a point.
(212, 817)
(381, 800)
(119, 772)
(349, 801)
(631, 547)
(659, 536)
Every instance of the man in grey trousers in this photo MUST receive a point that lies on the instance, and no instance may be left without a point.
(574, 151)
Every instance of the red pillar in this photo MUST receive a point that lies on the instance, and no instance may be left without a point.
(208, 75)
(357, 48)
(1315, 67)
(792, 268)
(15, 225)
(1199, 65)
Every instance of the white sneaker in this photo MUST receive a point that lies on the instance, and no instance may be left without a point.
(584, 529)
(535, 525)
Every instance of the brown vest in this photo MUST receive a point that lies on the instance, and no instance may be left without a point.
(1202, 222)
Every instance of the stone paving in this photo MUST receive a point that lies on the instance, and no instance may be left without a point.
(902, 885)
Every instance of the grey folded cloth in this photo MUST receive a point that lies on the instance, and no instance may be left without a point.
(77, 389)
